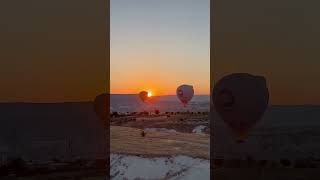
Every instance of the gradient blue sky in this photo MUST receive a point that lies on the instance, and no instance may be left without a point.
(157, 45)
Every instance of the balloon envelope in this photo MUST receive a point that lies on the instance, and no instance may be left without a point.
(185, 93)
(241, 100)
(101, 106)
(143, 95)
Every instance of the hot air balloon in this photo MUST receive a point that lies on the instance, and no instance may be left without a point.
(241, 100)
(143, 95)
(101, 106)
(185, 93)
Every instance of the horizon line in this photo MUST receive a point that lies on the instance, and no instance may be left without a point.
(66, 102)
(156, 95)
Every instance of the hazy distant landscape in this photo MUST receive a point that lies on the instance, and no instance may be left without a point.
(159, 139)
(286, 137)
(50, 139)
(285, 132)
(132, 103)
(296, 125)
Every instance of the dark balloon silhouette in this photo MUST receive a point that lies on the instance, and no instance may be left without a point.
(101, 106)
(241, 100)
(143, 96)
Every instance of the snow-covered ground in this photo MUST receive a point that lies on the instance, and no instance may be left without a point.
(199, 129)
(176, 167)
(159, 130)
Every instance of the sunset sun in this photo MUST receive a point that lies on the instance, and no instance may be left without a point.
(149, 94)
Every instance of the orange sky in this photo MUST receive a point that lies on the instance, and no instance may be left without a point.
(275, 39)
(159, 45)
(49, 54)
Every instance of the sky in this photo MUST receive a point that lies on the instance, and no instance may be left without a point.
(276, 39)
(52, 51)
(56, 50)
(157, 45)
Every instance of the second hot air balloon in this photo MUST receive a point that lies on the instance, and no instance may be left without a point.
(241, 100)
(143, 96)
(185, 93)
(101, 107)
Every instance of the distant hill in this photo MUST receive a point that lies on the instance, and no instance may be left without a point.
(131, 103)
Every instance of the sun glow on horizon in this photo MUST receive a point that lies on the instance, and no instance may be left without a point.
(149, 94)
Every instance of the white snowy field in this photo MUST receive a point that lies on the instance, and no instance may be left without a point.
(198, 129)
(159, 130)
(172, 168)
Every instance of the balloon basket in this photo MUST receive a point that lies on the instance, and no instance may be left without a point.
(240, 137)
(240, 141)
